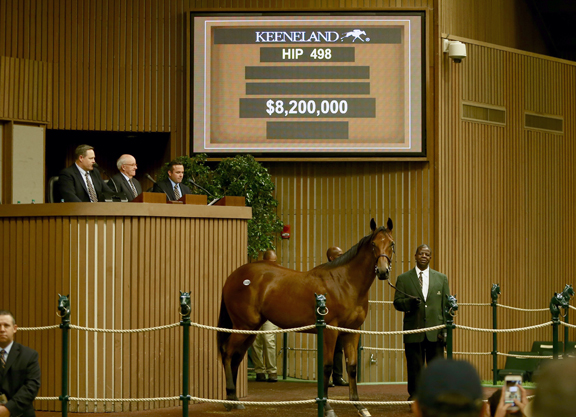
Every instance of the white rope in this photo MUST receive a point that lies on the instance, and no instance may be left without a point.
(521, 329)
(385, 349)
(524, 356)
(427, 329)
(149, 329)
(523, 309)
(562, 323)
(380, 302)
(296, 329)
(123, 400)
(369, 402)
(474, 304)
(472, 353)
(23, 329)
(47, 399)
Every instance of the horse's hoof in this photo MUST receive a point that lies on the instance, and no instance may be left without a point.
(233, 406)
(240, 407)
(364, 413)
(329, 413)
(228, 407)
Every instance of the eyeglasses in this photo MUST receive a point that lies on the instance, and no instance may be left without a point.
(131, 165)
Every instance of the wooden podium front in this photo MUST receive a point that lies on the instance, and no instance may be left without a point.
(123, 265)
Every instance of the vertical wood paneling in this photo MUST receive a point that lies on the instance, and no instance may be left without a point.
(503, 192)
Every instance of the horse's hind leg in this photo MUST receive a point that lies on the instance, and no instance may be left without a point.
(350, 342)
(234, 352)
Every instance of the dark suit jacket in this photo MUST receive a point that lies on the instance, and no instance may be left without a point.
(73, 188)
(120, 184)
(20, 380)
(166, 186)
(429, 313)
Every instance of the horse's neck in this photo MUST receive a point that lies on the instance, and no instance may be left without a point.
(361, 269)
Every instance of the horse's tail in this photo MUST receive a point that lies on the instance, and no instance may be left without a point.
(224, 322)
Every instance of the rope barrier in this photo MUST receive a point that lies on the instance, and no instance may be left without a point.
(520, 329)
(523, 309)
(384, 349)
(524, 356)
(380, 302)
(23, 329)
(568, 325)
(474, 304)
(296, 329)
(427, 329)
(149, 329)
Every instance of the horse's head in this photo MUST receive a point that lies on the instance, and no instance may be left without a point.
(63, 305)
(382, 248)
(185, 304)
(568, 293)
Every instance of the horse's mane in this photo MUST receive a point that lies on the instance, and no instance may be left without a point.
(353, 251)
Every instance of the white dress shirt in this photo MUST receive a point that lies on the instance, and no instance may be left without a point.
(425, 280)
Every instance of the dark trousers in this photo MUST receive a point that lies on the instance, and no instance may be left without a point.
(416, 355)
(337, 371)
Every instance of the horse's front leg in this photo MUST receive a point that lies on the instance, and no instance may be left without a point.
(350, 343)
(330, 337)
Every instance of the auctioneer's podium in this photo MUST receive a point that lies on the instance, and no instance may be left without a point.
(123, 265)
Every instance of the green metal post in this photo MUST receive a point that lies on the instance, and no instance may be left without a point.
(566, 335)
(567, 295)
(284, 355)
(555, 304)
(494, 294)
(185, 323)
(449, 312)
(359, 360)
(64, 308)
(321, 311)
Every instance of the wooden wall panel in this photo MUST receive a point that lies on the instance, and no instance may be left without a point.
(501, 22)
(122, 272)
(504, 193)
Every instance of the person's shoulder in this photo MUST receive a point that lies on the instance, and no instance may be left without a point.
(439, 274)
(406, 274)
(25, 350)
(68, 170)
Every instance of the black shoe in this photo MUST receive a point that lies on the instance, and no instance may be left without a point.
(339, 382)
(260, 377)
(331, 384)
(272, 377)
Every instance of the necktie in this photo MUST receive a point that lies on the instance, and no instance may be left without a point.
(133, 188)
(91, 191)
(177, 192)
(420, 279)
(2, 360)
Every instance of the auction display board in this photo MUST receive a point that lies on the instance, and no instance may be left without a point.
(321, 84)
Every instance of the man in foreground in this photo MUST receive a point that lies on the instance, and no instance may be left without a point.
(173, 187)
(449, 388)
(19, 372)
(81, 182)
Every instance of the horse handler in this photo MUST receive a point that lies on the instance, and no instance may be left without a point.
(421, 294)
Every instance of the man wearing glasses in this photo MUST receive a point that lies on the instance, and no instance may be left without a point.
(124, 181)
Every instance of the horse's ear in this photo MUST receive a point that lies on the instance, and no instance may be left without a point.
(59, 295)
(372, 225)
(389, 224)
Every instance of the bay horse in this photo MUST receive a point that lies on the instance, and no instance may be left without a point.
(264, 290)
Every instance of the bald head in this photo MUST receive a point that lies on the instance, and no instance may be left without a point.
(333, 253)
(270, 255)
(127, 165)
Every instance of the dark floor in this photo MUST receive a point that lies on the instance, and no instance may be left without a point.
(285, 391)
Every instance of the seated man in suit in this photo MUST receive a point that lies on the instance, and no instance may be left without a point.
(124, 181)
(173, 187)
(19, 372)
(81, 182)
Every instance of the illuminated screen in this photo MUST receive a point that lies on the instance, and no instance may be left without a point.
(305, 85)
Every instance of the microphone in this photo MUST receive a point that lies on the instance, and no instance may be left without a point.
(95, 165)
(152, 179)
(206, 191)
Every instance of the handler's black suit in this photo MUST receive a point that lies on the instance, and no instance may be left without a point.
(20, 380)
(120, 184)
(421, 347)
(166, 187)
(73, 188)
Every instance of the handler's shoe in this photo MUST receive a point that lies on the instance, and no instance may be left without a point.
(340, 382)
(272, 377)
(260, 377)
